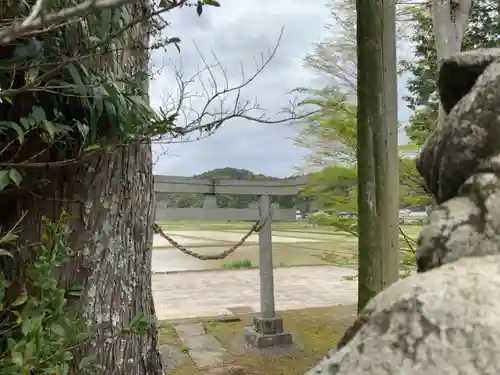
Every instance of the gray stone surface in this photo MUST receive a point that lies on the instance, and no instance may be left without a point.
(444, 321)
(463, 226)
(267, 333)
(206, 359)
(459, 73)
(470, 134)
(189, 329)
(204, 349)
(210, 293)
(259, 340)
(203, 342)
(171, 357)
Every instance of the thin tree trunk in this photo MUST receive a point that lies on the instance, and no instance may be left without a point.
(449, 23)
(377, 148)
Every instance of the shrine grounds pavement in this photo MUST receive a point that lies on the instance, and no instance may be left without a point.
(214, 293)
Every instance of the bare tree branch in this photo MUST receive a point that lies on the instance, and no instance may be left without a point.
(218, 101)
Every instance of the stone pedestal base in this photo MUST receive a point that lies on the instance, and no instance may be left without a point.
(267, 332)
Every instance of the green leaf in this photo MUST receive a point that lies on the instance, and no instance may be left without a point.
(14, 126)
(4, 179)
(137, 319)
(15, 176)
(212, 3)
(27, 50)
(17, 358)
(31, 325)
(8, 237)
(6, 253)
(32, 74)
(58, 330)
(80, 87)
(87, 362)
(20, 300)
(51, 129)
(25, 123)
(92, 148)
(63, 369)
(38, 115)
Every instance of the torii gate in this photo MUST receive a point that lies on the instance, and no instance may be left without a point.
(267, 329)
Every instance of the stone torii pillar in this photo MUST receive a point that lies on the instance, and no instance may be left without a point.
(267, 329)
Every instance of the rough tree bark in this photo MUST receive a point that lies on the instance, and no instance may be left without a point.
(377, 148)
(110, 201)
(119, 287)
(449, 22)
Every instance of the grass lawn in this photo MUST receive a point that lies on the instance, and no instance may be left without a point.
(315, 331)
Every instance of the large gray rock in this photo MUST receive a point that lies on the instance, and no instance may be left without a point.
(464, 226)
(445, 321)
(469, 136)
(460, 72)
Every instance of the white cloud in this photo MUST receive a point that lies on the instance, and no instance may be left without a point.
(238, 32)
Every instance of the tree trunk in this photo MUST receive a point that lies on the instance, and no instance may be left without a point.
(377, 148)
(119, 287)
(110, 201)
(449, 23)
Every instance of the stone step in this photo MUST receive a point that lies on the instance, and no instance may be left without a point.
(204, 349)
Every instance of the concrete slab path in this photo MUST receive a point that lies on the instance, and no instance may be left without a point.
(213, 293)
(204, 349)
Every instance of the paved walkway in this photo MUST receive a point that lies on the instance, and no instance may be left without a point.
(215, 293)
(204, 349)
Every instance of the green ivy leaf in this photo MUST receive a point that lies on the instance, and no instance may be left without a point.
(63, 368)
(6, 253)
(38, 115)
(8, 237)
(4, 179)
(17, 358)
(20, 300)
(15, 176)
(87, 362)
(92, 148)
(80, 87)
(58, 330)
(51, 129)
(32, 74)
(14, 126)
(31, 325)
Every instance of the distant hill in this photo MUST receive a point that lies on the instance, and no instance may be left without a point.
(225, 201)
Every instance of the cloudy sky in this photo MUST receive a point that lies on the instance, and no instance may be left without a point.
(239, 33)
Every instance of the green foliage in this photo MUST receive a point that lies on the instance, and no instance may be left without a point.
(245, 263)
(331, 132)
(37, 330)
(483, 31)
(331, 137)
